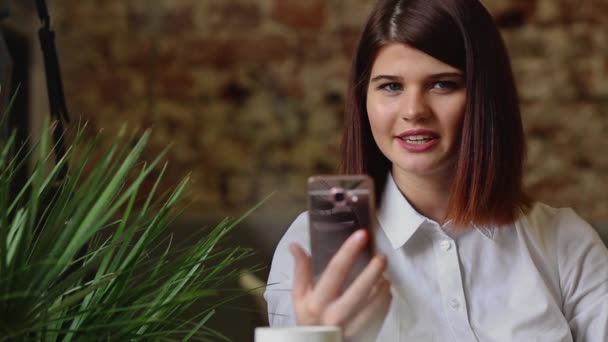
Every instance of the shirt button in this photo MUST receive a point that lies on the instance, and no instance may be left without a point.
(454, 304)
(445, 245)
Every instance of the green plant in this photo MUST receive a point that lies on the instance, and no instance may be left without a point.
(89, 257)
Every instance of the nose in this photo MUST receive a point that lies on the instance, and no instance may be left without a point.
(415, 106)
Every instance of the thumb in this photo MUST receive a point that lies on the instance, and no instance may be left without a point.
(302, 277)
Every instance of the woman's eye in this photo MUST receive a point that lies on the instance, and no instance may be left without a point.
(391, 87)
(445, 85)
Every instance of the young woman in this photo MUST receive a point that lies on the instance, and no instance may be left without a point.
(463, 254)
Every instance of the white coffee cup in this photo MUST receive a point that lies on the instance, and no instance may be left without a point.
(298, 334)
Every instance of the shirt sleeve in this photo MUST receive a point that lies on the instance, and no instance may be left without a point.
(278, 289)
(583, 268)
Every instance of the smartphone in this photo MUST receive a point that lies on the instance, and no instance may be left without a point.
(339, 205)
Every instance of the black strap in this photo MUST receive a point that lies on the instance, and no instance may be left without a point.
(54, 84)
(43, 12)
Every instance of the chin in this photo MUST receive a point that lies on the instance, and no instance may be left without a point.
(420, 169)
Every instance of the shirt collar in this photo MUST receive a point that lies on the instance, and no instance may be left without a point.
(399, 220)
(396, 216)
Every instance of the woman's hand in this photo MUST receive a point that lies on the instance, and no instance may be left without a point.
(360, 309)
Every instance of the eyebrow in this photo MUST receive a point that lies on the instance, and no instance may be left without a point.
(433, 76)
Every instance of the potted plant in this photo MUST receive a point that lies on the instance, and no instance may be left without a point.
(86, 254)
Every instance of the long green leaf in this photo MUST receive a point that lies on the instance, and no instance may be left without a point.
(82, 257)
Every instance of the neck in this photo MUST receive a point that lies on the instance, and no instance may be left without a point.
(429, 195)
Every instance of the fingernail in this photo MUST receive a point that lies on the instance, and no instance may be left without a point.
(292, 249)
(359, 235)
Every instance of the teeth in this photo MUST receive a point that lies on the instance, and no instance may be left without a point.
(417, 139)
(417, 142)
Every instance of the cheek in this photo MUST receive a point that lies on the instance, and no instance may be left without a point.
(381, 112)
(453, 115)
(455, 121)
(376, 121)
(372, 112)
(458, 118)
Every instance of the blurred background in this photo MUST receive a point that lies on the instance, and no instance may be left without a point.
(250, 95)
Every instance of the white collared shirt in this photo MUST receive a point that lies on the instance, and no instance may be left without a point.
(544, 278)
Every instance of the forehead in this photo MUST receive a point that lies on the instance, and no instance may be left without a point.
(403, 60)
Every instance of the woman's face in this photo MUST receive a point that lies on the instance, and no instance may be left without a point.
(415, 105)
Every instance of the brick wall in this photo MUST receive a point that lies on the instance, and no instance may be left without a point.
(250, 92)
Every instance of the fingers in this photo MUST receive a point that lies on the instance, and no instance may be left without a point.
(358, 293)
(367, 323)
(323, 304)
(302, 278)
(333, 276)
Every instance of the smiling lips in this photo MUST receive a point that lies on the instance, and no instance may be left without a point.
(418, 140)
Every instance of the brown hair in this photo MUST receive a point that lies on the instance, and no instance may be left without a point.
(487, 187)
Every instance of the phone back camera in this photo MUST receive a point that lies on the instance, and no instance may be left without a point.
(339, 197)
